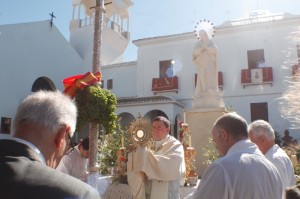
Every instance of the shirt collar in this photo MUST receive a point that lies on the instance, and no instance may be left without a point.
(5, 136)
(272, 150)
(245, 146)
(160, 142)
(9, 137)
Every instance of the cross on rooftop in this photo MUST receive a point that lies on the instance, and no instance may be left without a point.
(52, 16)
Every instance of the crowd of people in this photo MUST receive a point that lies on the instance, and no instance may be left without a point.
(242, 171)
(36, 160)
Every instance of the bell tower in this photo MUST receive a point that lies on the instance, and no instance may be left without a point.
(116, 35)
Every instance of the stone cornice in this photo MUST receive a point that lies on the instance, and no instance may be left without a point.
(146, 100)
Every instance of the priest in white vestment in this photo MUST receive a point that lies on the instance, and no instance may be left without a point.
(157, 173)
(262, 134)
(242, 172)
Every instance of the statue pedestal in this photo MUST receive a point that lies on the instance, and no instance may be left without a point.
(208, 101)
(200, 123)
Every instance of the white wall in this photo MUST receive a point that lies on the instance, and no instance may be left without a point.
(124, 78)
(233, 44)
(27, 52)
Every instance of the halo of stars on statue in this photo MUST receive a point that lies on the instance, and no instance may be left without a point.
(205, 25)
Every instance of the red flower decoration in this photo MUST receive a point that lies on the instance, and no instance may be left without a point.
(122, 159)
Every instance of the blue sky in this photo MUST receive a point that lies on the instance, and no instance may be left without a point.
(149, 18)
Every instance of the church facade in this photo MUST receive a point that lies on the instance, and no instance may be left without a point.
(256, 57)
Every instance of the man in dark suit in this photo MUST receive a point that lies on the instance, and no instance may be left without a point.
(43, 125)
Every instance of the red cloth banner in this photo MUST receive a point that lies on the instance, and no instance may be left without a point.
(73, 83)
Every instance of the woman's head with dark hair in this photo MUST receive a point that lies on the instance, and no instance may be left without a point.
(292, 192)
(83, 147)
(85, 143)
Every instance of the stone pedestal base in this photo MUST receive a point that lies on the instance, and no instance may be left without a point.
(208, 101)
(200, 124)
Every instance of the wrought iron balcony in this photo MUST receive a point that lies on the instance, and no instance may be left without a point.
(262, 75)
(165, 84)
(170, 84)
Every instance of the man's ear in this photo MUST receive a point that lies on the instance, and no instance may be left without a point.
(60, 136)
(223, 134)
(262, 139)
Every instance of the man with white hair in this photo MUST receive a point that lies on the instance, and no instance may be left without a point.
(262, 134)
(43, 126)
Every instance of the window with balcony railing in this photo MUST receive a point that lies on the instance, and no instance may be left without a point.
(165, 84)
(166, 68)
(256, 58)
(257, 76)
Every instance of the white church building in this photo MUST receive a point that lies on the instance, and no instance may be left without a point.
(255, 56)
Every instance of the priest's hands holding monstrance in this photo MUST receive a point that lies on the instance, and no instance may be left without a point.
(157, 161)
